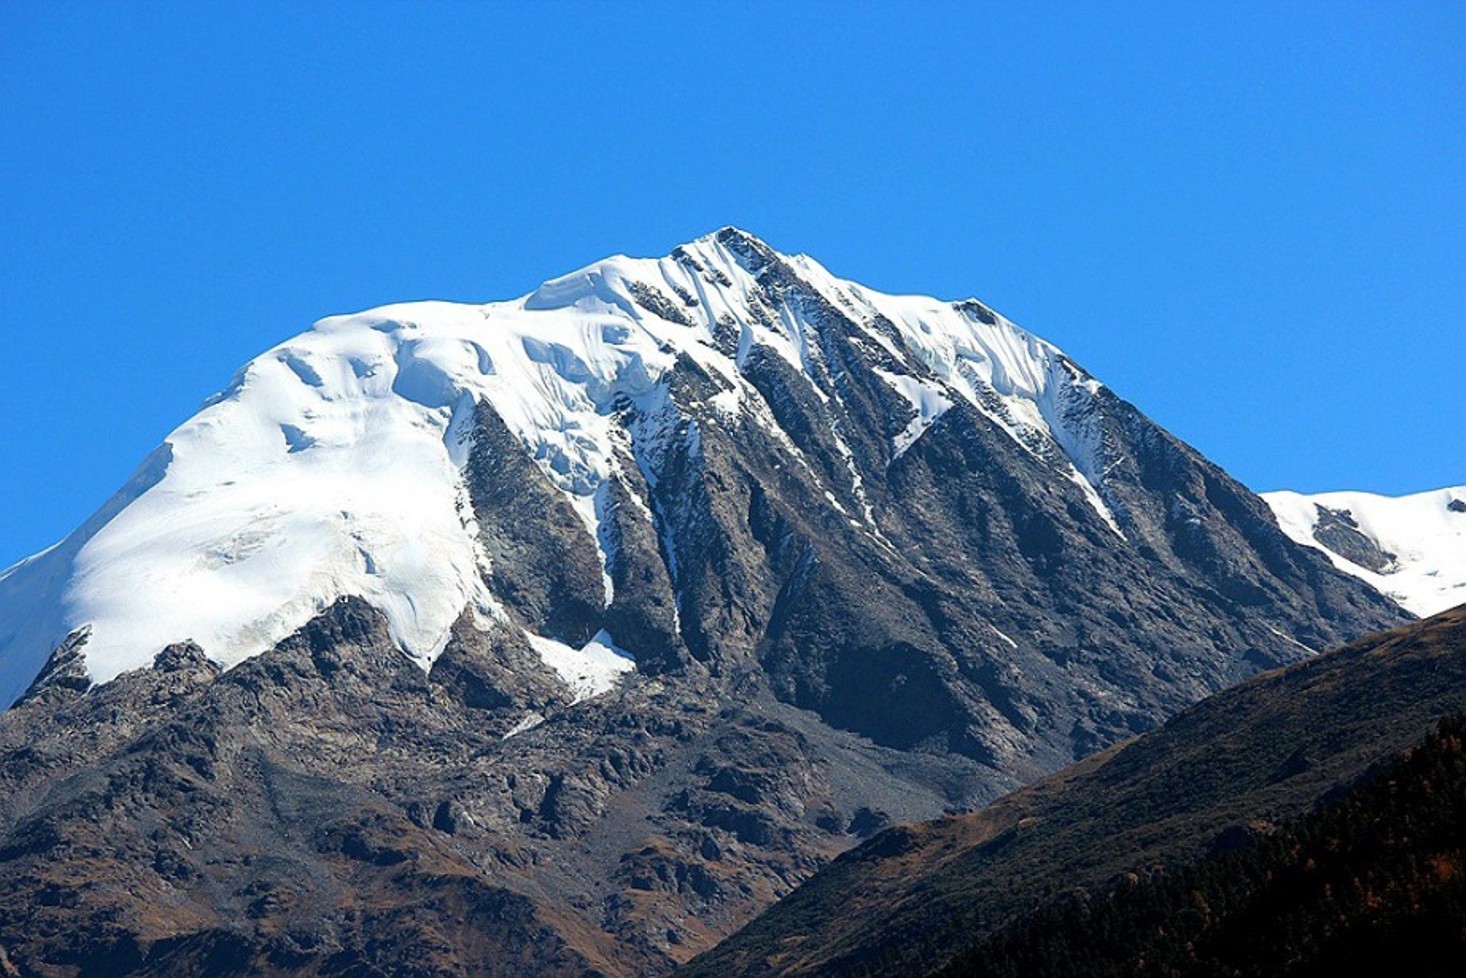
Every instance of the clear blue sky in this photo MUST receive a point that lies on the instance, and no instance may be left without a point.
(1246, 218)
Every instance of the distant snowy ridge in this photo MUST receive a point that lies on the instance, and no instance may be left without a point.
(333, 464)
(1411, 548)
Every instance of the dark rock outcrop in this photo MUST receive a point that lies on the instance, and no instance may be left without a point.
(1339, 531)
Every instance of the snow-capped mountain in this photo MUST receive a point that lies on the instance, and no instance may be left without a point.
(333, 464)
(564, 634)
(1412, 548)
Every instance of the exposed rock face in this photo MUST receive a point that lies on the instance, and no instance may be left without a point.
(543, 562)
(328, 807)
(854, 600)
(1338, 530)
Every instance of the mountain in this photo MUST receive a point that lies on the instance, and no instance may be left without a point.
(1371, 878)
(598, 619)
(1273, 827)
(1411, 548)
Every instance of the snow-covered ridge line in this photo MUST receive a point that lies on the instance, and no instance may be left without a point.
(333, 463)
(1411, 548)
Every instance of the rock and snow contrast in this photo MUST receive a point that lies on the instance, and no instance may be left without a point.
(1411, 548)
(563, 635)
(333, 464)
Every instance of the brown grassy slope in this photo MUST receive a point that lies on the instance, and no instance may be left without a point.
(1368, 880)
(1267, 750)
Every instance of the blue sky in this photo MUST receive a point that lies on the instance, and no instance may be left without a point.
(1249, 219)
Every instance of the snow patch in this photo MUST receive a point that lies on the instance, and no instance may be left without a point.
(926, 400)
(1290, 639)
(727, 402)
(1423, 530)
(590, 670)
(526, 723)
(1003, 635)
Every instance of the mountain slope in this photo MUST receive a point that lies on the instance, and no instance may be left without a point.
(1411, 548)
(1370, 879)
(631, 602)
(1218, 774)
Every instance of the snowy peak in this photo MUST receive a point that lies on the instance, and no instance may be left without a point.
(333, 463)
(1411, 548)
(783, 530)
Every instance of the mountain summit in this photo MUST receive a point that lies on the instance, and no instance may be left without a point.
(600, 618)
(335, 463)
